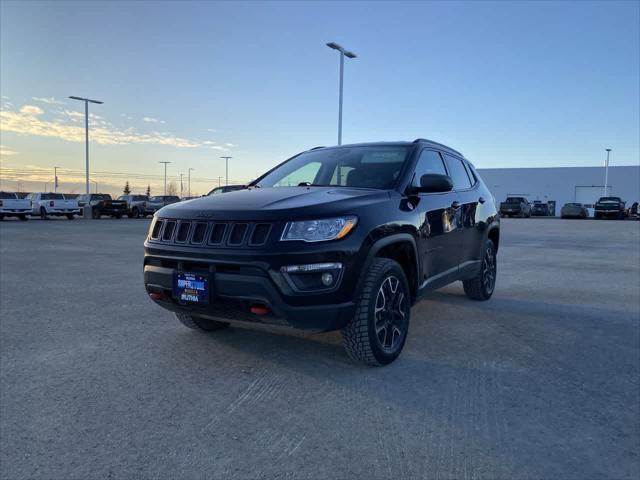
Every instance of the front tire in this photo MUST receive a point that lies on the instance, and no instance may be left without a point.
(43, 213)
(135, 213)
(70, 216)
(377, 332)
(23, 218)
(482, 285)
(197, 323)
(95, 213)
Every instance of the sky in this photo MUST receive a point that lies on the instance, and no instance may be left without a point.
(509, 84)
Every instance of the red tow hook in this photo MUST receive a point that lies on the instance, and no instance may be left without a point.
(156, 296)
(260, 309)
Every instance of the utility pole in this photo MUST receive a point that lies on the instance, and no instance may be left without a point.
(86, 135)
(189, 180)
(55, 179)
(219, 180)
(348, 54)
(606, 173)
(227, 169)
(165, 177)
(181, 189)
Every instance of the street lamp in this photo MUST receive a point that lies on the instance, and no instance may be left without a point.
(348, 54)
(181, 189)
(189, 180)
(96, 184)
(606, 172)
(55, 179)
(227, 169)
(86, 134)
(165, 177)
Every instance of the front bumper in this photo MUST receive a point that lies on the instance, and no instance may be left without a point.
(240, 281)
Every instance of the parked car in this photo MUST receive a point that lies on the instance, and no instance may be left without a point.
(539, 209)
(103, 204)
(136, 205)
(12, 206)
(49, 204)
(515, 206)
(368, 229)
(574, 210)
(632, 211)
(156, 203)
(610, 207)
(226, 189)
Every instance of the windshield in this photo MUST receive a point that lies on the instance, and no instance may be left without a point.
(100, 196)
(609, 200)
(8, 196)
(515, 200)
(51, 196)
(360, 167)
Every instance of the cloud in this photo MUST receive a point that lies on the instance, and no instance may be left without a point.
(153, 120)
(31, 110)
(6, 151)
(212, 130)
(48, 100)
(29, 120)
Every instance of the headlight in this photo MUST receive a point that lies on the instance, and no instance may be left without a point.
(319, 230)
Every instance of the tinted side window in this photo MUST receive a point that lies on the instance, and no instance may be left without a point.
(458, 173)
(429, 162)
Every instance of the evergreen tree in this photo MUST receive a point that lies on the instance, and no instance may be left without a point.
(127, 190)
(148, 190)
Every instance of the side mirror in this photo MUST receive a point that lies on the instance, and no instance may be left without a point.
(434, 183)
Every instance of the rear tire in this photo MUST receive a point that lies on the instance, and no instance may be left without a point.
(22, 218)
(378, 330)
(70, 216)
(481, 286)
(135, 213)
(43, 213)
(197, 323)
(95, 214)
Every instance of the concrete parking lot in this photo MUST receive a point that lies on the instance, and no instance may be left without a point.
(542, 381)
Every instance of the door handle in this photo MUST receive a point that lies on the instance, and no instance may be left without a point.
(481, 200)
(455, 205)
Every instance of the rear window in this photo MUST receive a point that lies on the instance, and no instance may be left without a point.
(8, 196)
(52, 196)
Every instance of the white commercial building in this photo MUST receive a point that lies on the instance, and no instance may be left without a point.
(563, 184)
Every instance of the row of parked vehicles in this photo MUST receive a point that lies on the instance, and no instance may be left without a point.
(605, 207)
(50, 204)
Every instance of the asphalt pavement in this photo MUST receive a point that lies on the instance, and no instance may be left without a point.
(542, 381)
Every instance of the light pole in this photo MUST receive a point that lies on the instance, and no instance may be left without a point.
(189, 180)
(165, 177)
(86, 134)
(219, 179)
(96, 184)
(227, 169)
(55, 179)
(348, 54)
(606, 173)
(181, 189)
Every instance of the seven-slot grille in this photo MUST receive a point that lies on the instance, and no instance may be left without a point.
(218, 234)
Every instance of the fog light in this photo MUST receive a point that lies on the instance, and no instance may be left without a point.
(327, 279)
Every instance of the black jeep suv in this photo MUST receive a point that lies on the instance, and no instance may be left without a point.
(346, 237)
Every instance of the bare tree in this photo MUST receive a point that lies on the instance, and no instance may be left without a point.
(172, 188)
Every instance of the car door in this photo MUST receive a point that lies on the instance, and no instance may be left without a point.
(466, 187)
(439, 238)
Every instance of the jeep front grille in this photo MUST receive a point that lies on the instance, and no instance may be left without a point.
(216, 234)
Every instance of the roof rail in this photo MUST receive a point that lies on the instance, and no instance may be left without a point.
(316, 148)
(418, 140)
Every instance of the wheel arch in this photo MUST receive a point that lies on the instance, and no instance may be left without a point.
(402, 249)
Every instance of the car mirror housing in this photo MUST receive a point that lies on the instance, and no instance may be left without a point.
(435, 183)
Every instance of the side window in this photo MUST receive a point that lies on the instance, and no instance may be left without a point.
(458, 173)
(471, 173)
(430, 161)
(306, 173)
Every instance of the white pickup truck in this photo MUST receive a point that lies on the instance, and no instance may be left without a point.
(12, 206)
(48, 204)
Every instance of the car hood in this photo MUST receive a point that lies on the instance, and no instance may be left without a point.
(281, 203)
